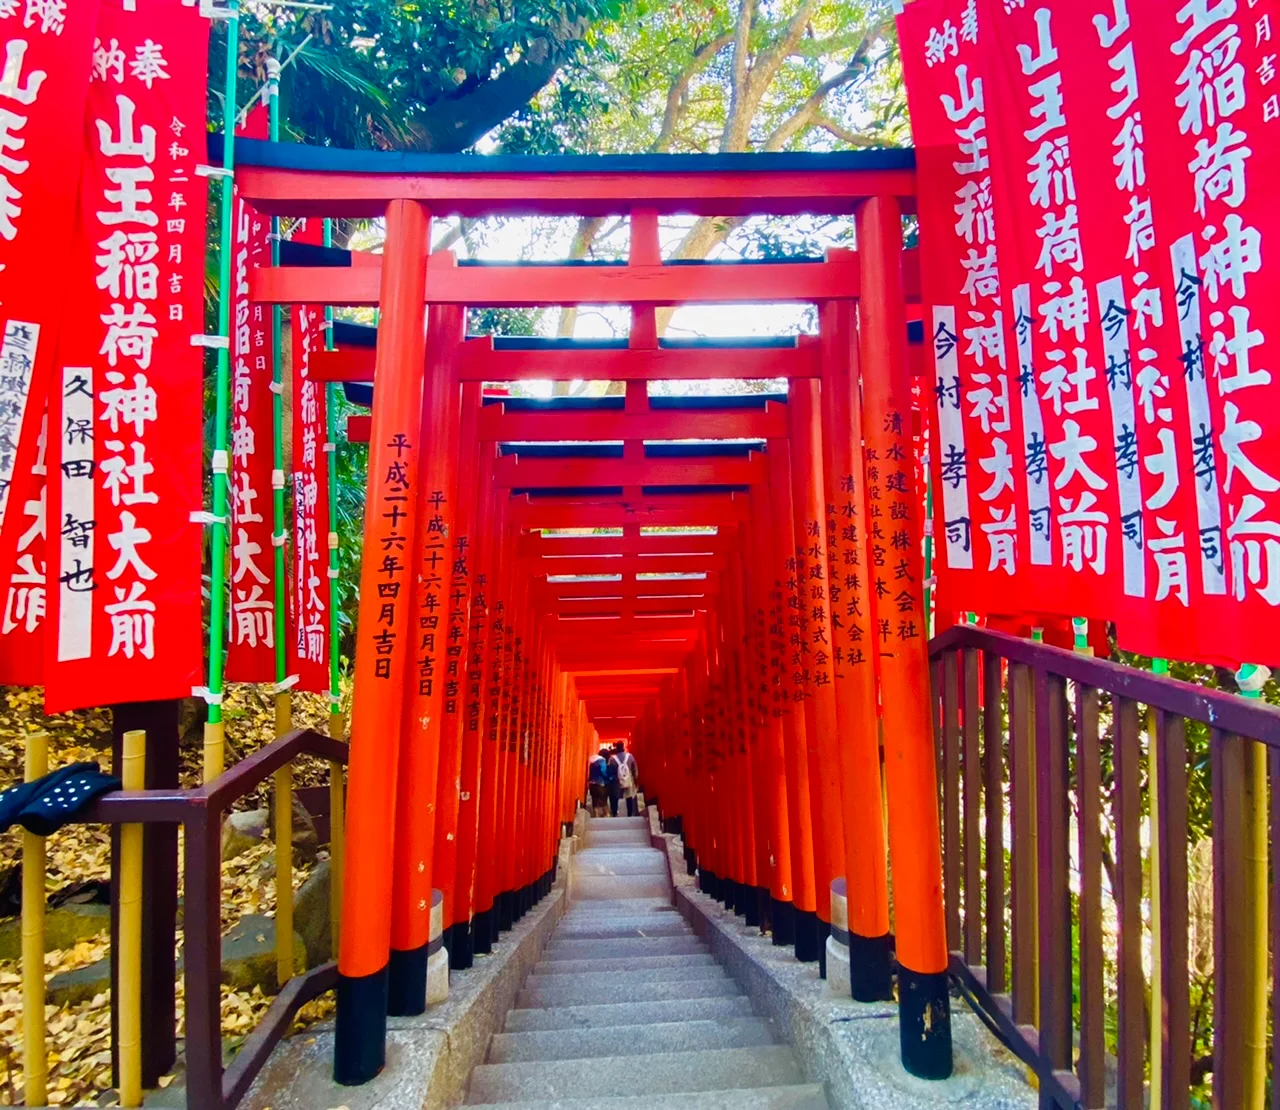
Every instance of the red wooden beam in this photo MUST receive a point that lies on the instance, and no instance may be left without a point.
(550, 547)
(630, 564)
(518, 286)
(289, 192)
(478, 361)
(609, 512)
(628, 589)
(512, 472)
(498, 425)
(355, 364)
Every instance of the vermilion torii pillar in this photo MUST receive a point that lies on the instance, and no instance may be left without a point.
(826, 780)
(800, 808)
(383, 650)
(849, 594)
(897, 577)
(417, 813)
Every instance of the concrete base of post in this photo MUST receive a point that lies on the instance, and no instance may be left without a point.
(837, 966)
(437, 954)
(438, 977)
(835, 946)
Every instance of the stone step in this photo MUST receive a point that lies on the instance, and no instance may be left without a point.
(618, 861)
(588, 992)
(633, 963)
(808, 1096)
(607, 823)
(624, 905)
(619, 886)
(664, 926)
(619, 982)
(627, 1013)
(659, 1073)
(629, 1040)
(622, 947)
(632, 838)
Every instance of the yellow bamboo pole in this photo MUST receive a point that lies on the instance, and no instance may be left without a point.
(336, 832)
(215, 744)
(284, 874)
(35, 1056)
(129, 1004)
(1253, 987)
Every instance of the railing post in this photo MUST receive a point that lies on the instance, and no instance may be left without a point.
(202, 956)
(35, 1057)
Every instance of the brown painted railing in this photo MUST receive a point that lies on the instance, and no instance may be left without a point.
(1022, 731)
(200, 812)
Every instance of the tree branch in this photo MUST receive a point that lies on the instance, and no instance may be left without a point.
(740, 86)
(455, 124)
(677, 93)
(806, 115)
(768, 63)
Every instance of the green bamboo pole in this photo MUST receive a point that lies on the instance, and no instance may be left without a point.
(214, 730)
(284, 701)
(284, 708)
(1158, 667)
(335, 587)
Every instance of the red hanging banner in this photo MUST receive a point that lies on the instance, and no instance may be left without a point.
(47, 50)
(1075, 473)
(1211, 107)
(309, 654)
(251, 641)
(125, 611)
(974, 443)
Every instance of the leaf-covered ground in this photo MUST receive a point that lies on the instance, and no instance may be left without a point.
(78, 1036)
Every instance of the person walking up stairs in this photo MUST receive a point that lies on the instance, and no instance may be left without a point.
(629, 1005)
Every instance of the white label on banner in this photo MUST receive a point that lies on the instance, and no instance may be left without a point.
(1204, 462)
(1113, 315)
(1035, 456)
(17, 358)
(75, 530)
(954, 462)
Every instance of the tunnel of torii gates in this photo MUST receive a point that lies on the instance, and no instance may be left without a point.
(740, 596)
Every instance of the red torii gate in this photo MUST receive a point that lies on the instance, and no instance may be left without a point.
(751, 690)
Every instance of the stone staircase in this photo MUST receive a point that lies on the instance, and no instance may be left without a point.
(627, 1004)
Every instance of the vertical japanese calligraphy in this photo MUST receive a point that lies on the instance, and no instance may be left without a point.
(975, 451)
(125, 555)
(1146, 481)
(1211, 105)
(251, 646)
(309, 653)
(47, 51)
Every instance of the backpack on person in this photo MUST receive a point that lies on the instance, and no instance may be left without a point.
(625, 779)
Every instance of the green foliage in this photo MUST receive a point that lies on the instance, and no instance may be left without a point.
(432, 75)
